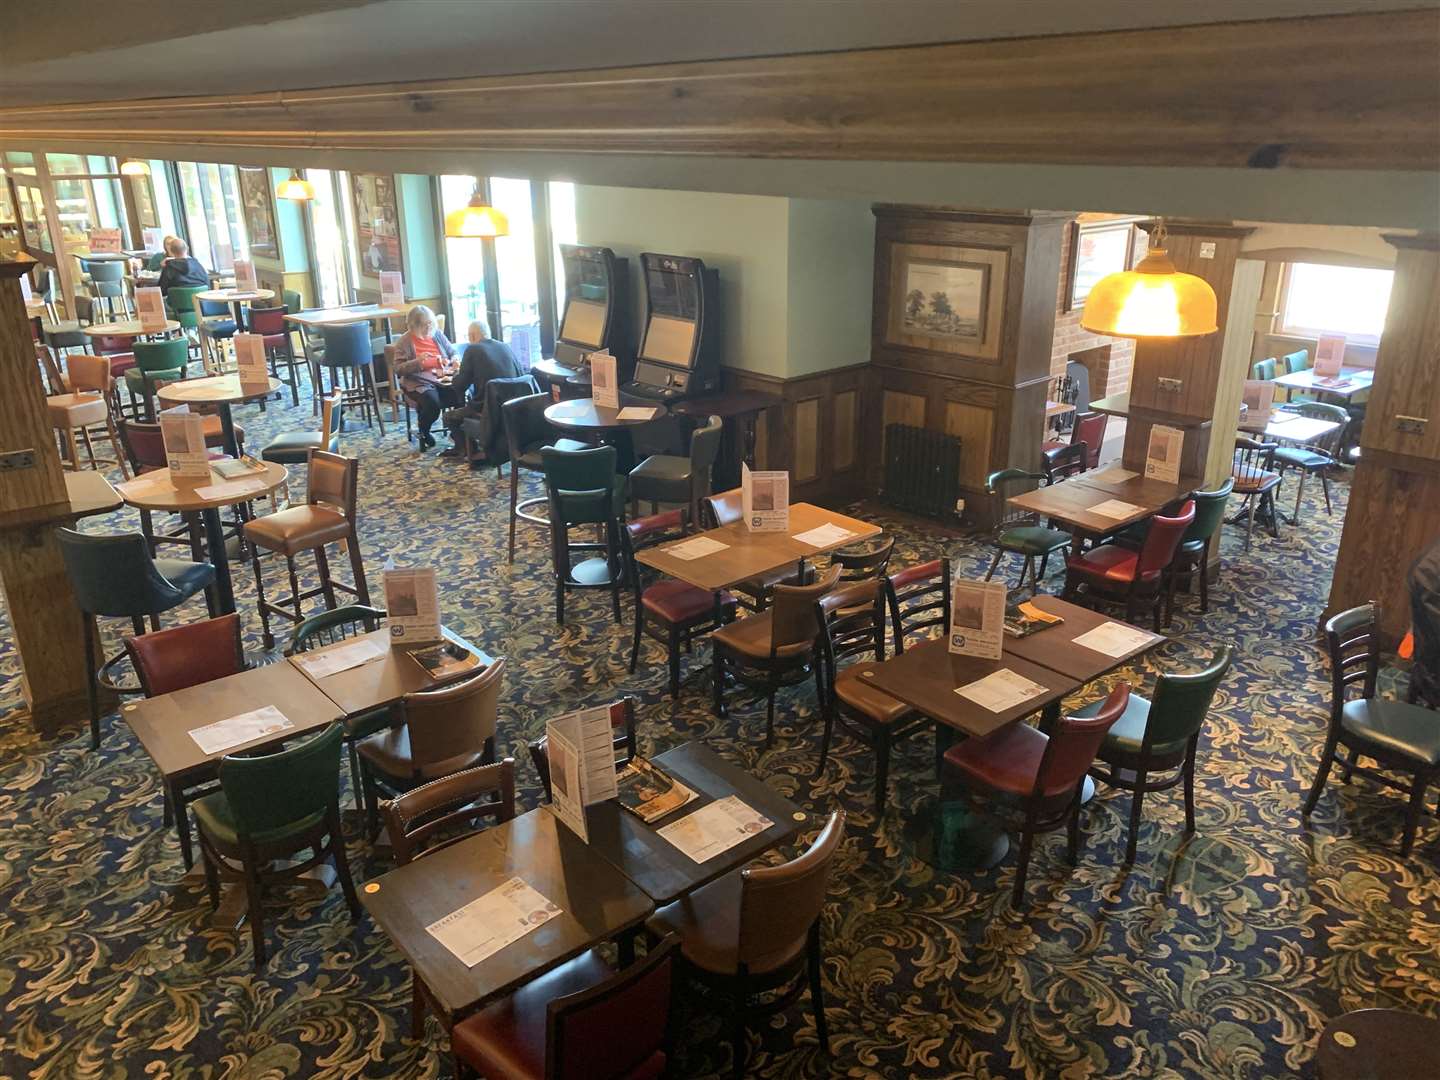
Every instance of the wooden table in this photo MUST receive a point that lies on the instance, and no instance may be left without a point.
(552, 375)
(129, 328)
(319, 318)
(385, 680)
(744, 406)
(221, 391)
(596, 900)
(1069, 502)
(159, 491)
(750, 554)
(1055, 648)
(1361, 379)
(583, 416)
(1293, 428)
(661, 870)
(101, 256)
(235, 297)
(1379, 1044)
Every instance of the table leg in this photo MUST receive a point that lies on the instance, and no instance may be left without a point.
(948, 833)
(227, 431)
(1299, 493)
(220, 559)
(749, 451)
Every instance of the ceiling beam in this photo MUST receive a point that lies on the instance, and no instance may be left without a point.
(1339, 92)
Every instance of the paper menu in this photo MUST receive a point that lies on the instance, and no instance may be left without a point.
(1162, 459)
(486, 925)
(323, 663)
(392, 289)
(412, 602)
(250, 362)
(150, 306)
(104, 240)
(238, 730)
(715, 828)
(184, 435)
(604, 380)
(1329, 354)
(1259, 398)
(636, 412)
(765, 500)
(1001, 690)
(827, 535)
(1116, 509)
(977, 618)
(231, 489)
(697, 547)
(25, 293)
(245, 276)
(152, 239)
(1115, 639)
(581, 751)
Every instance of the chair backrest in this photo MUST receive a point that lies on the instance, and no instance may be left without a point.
(1000, 486)
(53, 375)
(114, 575)
(1263, 369)
(167, 355)
(1073, 744)
(211, 308)
(780, 904)
(580, 484)
(864, 563)
(1163, 538)
(347, 345)
(617, 1028)
(1297, 361)
(89, 373)
(112, 343)
(1065, 461)
(453, 722)
(1351, 639)
(1252, 457)
(463, 798)
(186, 655)
(279, 789)
(144, 444)
(332, 419)
(267, 320)
(337, 624)
(919, 598)
(181, 302)
(646, 532)
(524, 419)
(622, 741)
(84, 310)
(1090, 429)
(1209, 510)
(852, 623)
(1328, 444)
(793, 612)
(725, 507)
(292, 301)
(705, 447)
(1181, 702)
(332, 480)
(107, 270)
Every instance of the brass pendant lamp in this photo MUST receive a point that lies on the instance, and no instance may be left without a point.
(1154, 300)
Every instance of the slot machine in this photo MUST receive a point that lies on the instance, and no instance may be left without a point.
(679, 354)
(596, 314)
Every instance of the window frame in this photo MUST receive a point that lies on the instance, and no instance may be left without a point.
(1286, 329)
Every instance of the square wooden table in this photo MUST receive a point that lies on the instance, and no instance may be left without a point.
(596, 900)
(750, 554)
(384, 680)
(663, 871)
(1055, 648)
(1360, 380)
(1070, 501)
(1292, 428)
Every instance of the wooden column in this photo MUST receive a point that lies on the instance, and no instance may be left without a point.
(1394, 509)
(44, 618)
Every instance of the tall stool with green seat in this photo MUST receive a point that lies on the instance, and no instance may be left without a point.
(526, 431)
(156, 363)
(1158, 736)
(269, 809)
(1019, 532)
(1317, 457)
(116, 577)
(582, 489)
(180, 303)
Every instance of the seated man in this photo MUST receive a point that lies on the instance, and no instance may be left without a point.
(484, 359)
(179, 269)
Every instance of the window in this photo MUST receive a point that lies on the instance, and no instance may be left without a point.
(515, 262)
(1346, 300)
(210, 195)
(465, 259)
(331, 274)
(562, 231)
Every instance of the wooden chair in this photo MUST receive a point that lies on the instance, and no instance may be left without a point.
(80, 411)
(757, 931)
(1256, 478)
(1157, 736)
(725, 508)
(1401, 737)
(1065, 461)
(1118, 573)
(1089, 428)
(270, 324)
(93, 374)
(861, 564)
(1044, 774)
(1316, 458)
(622, 725)
(1019, 532)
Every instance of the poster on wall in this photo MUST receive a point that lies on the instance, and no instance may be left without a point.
(377, 223)
(103, 240)
(1097, 249)
(946, 299)
(259, 212)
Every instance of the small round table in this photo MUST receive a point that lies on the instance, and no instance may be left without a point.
(1388, 1044)
(235, 297)
(131, 328)
(582, 415)
(159, 491)
(219, 390)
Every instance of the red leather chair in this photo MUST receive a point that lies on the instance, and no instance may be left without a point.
(117, 350)
(270, 324)
(1089, 428)
(1119, 573)
(581, 1021)
(1045, 774)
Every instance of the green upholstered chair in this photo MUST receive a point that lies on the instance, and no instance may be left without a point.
(526, 431)
(1263, 369)
(180, 302)
(1296, 361)
(271, 808)
(1158, 736)
(1019, 532)
(582, 488)
(669, 478)
(156, 363)
(155, 262)
(1193, 554)
(1316, 458)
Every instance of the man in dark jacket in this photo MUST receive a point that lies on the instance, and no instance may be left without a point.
(484, 359)
(180, 270)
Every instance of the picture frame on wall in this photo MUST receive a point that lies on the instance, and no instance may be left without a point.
(377, 224)
(259, 208)
(1097, 248)
(947, 299)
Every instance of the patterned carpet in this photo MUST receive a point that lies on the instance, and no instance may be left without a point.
(1220, 957)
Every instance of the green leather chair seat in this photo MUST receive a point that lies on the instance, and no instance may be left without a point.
(216, 818)
(1034, 540)
(1299, 458)
(1128, 733)
(530, 459)
(136, 377)
(1393, 725)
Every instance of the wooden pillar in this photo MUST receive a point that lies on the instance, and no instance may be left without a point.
(44, 617)
(1394, 508)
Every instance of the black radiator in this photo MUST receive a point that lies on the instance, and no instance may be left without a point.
(922, 471)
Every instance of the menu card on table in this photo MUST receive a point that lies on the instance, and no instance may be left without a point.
(245, 276)
(412, 601)
(1258, 397)
(715, 828)
(765, 499)
(1329, 354)
(827, 535)
(152, 239)
(1001, 690)
(238, 730)
(250, 362)
(484, 926)
(649, 792)
(392, 289)
(697, 547)
(323, 663)
(1115, 639)
(977, 618)
(104, 240)
(184, 434)
(1162, 459)
(636, 412)
(604, 381)
(1116, 508)
(150, 305)
(581, 752)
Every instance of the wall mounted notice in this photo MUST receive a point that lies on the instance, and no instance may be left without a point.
(150, 305)
(184, 434)
(765, 500)
(245, 276)
(1162, 459)
(1329, 354)
(604, 380)
(412, 603)
(392, 289)
(977, 618)
(250, 362)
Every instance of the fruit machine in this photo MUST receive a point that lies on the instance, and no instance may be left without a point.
(679, 355)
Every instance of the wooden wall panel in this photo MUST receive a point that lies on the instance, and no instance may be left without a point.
(846, 416)
(806, 455)
(1407, 368)
(975, 426)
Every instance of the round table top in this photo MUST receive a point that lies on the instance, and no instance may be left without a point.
(212, 390)
(128, 328)
(101, 256)
(584, 414)
(1384, 1043)
(235, 296)
(158, 490)
(552, 369)
(35, 308)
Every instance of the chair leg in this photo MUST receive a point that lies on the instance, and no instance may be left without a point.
(826, 734)
(1250, 522)
(993, 564)
(1022, 865)
(322, 564)
(295, 587)
(355, 774)
(672, 648)
(817, 989)
(251, 873)
(717, 691)
(93, 691)
(1412, 813)
(770, 719)
(639, 632)
(357, 568)
(514, 499)
(1136, 799)
(182, 831)
(265, 634)
(212, 879)
(1190, 792)
(737, 1031)
(1325, 487)
(1204, 572)
(1327, 759)
(342, 864)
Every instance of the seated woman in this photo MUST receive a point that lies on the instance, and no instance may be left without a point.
(425, 362)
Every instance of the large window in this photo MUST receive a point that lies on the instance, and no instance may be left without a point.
(515, 261)
(331, 274)
(87, 196)
(1346, 300)
(465, 260)
(562, 231)
(210, 195)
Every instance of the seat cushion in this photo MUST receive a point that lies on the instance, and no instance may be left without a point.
(677, 602)
(299, 528)
(1108, 562)
(861, 696)
(1126, 735)
(1298, 457)
(135, 377)
(221, 328)
(292, 447)
(506, 1040)
(1252, 481)
(215, 818)
(76, 410)
(1006, 761)
(661, 478)
(751, 637)
(1033, 540)
(1409, 730)
(189, 577)
(708, 922)
(389, 752)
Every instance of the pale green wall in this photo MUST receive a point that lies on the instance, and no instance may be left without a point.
(419, 253)
(290, 223)
(831, 267)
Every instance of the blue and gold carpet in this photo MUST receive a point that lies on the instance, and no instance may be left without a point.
(1218, 957)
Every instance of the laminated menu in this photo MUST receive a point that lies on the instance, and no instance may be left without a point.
(241, 729)
(1162, 459)
(1329, 354)
(715, 828)
(392, 289)
(1026, 619)
(581, 753)
(487, 924)
(150, 306)
(245, 276)
(412, 602)
(604, 380)
(184, 435)
(250, 362)
(1001, 690)
(765, 500)
(1115, 639)
(322, 663)
(1258, 397)
(649, 792)
(977, 618)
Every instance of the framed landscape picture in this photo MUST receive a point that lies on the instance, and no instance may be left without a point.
(259, 212)
(947, 299)
(1097, 248)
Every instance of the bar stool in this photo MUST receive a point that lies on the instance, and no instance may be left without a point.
(107, 282)
(91, 375)
(525, 433)
(327, 517)
(669, 478)
(583, 489)
(156, 363)
(115, 576)
(270, 324)
(348, 347)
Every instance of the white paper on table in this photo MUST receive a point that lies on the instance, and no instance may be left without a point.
(412, 605)
(250, 362)
(150, 305)
(1258, 397)
(343, 657)
(604, 380)
(1116, 509)
(1329, 355)
(247, 727)
(765, 499)
(486, 925)
(1113, 475)
(104, 240)
(152, 239)
(697, 547)
(392, 289)
(230, 489)
(977, 618)
(1001, 690)
(636, 412)
(826, 535)
(715, 828)
(1162, 458)
(245, 280)
(1115, 639)
(183, 433)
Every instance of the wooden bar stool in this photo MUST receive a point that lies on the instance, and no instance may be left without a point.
(327, 517)
(93, 375)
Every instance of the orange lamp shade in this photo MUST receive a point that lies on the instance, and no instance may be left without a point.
(476, 220)
(1153, 300)
(134, 168)
(295, 188)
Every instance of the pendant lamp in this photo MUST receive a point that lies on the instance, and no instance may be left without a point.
(1152, 300)
(295, 188)
(134, 168)
(476, 219)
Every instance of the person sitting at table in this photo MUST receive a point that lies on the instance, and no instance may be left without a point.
(425, 362)
(179, 269)
(484, 359)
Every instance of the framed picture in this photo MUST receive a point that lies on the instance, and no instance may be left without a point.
(1097, 248)
(947, 299)
(377, 223)
(259, 212)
